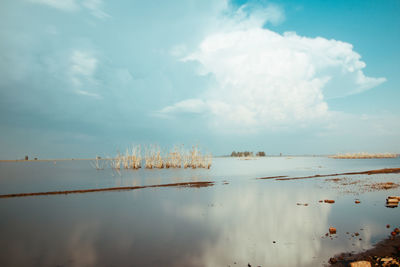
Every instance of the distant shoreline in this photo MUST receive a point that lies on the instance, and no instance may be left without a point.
(223, 156)
(44, 160)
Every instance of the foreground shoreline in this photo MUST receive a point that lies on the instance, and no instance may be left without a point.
(387, 250)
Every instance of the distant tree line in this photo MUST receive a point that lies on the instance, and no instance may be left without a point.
(247, 154)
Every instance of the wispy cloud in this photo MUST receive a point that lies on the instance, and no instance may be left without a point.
(83, 65)
(253, 14)
(66, 5)
(95, 7)
(86, 93)
(189, 105)
(264, 78)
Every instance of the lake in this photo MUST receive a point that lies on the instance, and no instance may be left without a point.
(237, 221)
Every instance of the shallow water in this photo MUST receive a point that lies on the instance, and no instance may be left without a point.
(231, 223)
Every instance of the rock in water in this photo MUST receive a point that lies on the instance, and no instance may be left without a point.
(332, 260)
(360, 264)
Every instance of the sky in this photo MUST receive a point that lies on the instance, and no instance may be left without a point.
(80, 78)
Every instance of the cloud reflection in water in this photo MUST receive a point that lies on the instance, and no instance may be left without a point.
(246, 221)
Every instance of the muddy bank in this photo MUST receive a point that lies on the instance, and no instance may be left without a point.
(186, 184)
(272, 177)
(370, 172)
(383, 251)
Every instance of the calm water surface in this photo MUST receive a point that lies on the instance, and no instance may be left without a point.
(232, 223)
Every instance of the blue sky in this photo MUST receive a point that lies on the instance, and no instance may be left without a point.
(80, 78)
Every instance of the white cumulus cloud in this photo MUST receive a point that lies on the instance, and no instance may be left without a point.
(264, 78)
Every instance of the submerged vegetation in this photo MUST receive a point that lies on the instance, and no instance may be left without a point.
(98, 164)
(156, 158)
(363, 155)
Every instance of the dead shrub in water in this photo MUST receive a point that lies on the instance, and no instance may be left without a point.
(116, 162)
(98, 163)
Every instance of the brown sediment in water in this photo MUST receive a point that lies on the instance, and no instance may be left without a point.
(360, 185)
(382, 186)
(379, 171)
(334, 179)
(185, 184)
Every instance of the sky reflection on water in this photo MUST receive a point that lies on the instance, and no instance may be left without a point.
(214, 226)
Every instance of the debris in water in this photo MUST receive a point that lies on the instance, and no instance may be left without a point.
(302, 204)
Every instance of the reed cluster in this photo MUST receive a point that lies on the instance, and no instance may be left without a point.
(156, 158)
(174, 158)
(363, 155)
(153, 158)
(195, 159)
(132, 158)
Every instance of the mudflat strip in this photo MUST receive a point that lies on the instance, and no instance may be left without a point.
(81, 191)
(379, 171)
(272, 177)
